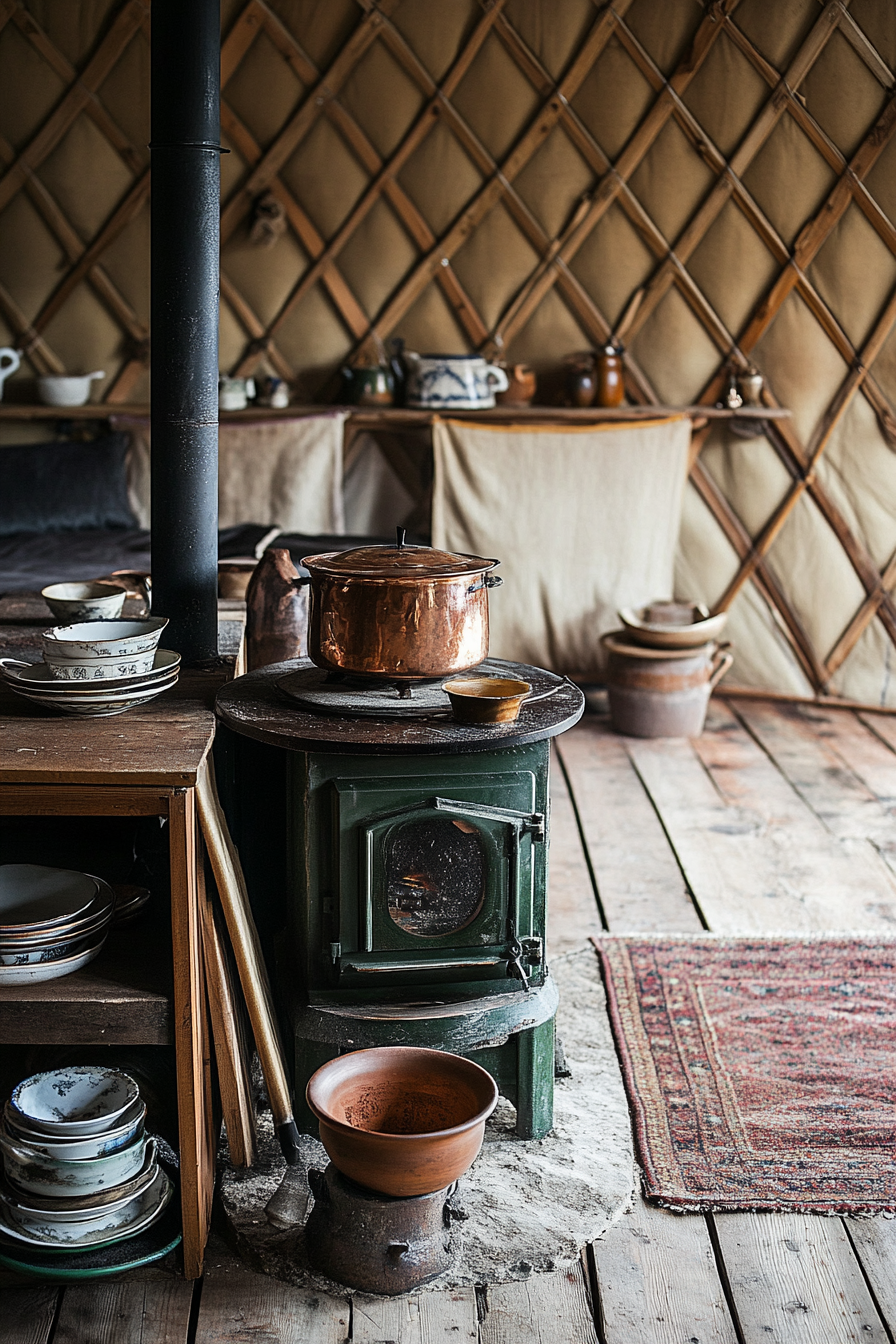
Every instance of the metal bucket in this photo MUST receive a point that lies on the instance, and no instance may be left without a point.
(661, 692)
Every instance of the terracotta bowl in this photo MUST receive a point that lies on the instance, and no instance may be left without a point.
(486, 699)
(399, 1120)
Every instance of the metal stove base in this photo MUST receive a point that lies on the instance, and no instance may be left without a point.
(511, 1035)
(376, 1242)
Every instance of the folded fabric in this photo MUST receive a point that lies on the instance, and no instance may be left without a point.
(583, 520)
(283, 473)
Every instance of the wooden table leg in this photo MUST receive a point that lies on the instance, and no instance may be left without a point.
(191, 1038)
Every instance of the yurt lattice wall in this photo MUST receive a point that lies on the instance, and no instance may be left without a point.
(507, 176)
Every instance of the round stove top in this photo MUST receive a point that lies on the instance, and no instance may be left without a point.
(296, 706)
(358, 697)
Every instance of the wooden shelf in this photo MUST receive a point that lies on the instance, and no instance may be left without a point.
(122, 998)
(362, 417)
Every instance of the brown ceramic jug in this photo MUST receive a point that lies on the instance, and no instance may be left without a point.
(276, 612)
(609, 376)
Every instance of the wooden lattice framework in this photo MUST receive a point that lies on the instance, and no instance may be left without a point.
(260, 169)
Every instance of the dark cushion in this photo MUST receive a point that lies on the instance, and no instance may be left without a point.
(45, 487)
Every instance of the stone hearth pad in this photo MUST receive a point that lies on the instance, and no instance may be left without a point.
(530, 1205)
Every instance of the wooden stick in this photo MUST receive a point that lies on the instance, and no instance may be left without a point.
(233, 1072)
(249, 959)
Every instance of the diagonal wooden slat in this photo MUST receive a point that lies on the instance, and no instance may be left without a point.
(77, 97)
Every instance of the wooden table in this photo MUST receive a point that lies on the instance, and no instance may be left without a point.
(143, 763)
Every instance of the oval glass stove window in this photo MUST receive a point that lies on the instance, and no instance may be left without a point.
(435, 876)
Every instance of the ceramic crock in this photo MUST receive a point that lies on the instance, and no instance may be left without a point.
(398, 612)
(452, 382)
(661, 692)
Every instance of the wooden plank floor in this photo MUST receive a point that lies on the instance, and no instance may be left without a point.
(779, 818)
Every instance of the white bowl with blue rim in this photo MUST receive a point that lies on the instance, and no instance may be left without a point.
(80, 1100)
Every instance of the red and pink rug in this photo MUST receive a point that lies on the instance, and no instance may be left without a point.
(761, 1073)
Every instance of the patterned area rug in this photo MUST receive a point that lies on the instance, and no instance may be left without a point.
(760, 1073)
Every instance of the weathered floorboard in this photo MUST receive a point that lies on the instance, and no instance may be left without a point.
(26, 1314)
(237, 1307)
(808, 747)
(638, 879)
(125, 1313)
(658, 1281)
(874, 1242)
(795, 1280)
(755, 855)
(546, 1309)
(448, 1317)
(573, 915)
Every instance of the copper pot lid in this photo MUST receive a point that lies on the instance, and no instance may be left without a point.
(397, 562)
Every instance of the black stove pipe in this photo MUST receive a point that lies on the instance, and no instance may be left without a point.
(186, 89)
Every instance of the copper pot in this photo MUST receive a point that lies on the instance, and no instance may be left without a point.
(398, 613)
(401, 1120)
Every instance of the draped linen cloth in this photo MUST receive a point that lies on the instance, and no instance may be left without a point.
(583, 520)
(284, 473)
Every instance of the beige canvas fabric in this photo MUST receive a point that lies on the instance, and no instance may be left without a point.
(287, 473)
(584, 521)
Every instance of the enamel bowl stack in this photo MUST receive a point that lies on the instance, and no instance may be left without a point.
(79, 1170)
(52, 921)
(96, 668)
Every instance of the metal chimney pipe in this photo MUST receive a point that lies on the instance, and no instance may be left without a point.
(186, 91)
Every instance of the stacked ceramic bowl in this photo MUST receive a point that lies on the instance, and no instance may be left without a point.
(79, 1170)
(96, 668)
(662, 668)
(52, 921)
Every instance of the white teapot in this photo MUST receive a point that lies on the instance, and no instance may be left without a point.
(451, 382)
(9, 361)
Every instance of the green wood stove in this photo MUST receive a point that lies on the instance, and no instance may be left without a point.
(408, 904)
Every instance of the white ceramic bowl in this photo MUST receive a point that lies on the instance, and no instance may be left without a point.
(66, 390)
(38, 677)
(84, 1099)
(139, 1213)
(109, 1219)
(82, 1207)
(103, 639)
(40, 1175)
(101, 668)
(126, 1131)
(84, 601)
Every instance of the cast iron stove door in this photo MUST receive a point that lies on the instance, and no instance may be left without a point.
(438, 890)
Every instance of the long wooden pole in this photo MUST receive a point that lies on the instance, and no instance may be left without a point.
(247, 953)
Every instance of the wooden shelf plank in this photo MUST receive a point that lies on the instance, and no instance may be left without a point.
(122, 998)
(373, 416)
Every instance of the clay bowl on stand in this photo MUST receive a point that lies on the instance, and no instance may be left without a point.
(486, 699)
(672, 625)
(399, 1120)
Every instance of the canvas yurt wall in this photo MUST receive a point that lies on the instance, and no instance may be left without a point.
(506, 176)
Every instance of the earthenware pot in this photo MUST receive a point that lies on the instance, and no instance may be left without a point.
(400, 1120)
(672, 625)
(581, 380)
(452, 382)
(398, 612)
(661, 692)
(520, 387)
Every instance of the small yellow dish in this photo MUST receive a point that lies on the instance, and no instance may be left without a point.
(486, 699)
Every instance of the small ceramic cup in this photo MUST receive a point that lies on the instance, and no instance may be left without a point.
(84, 601)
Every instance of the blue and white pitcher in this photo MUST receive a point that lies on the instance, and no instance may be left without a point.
(451, 382)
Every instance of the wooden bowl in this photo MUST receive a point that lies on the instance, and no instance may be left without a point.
(486, 699)
(399, 1120)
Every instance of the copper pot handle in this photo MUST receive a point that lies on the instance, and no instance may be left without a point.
(721, 662)
(487, 581)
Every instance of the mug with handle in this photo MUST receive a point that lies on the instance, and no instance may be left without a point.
(9, 361)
